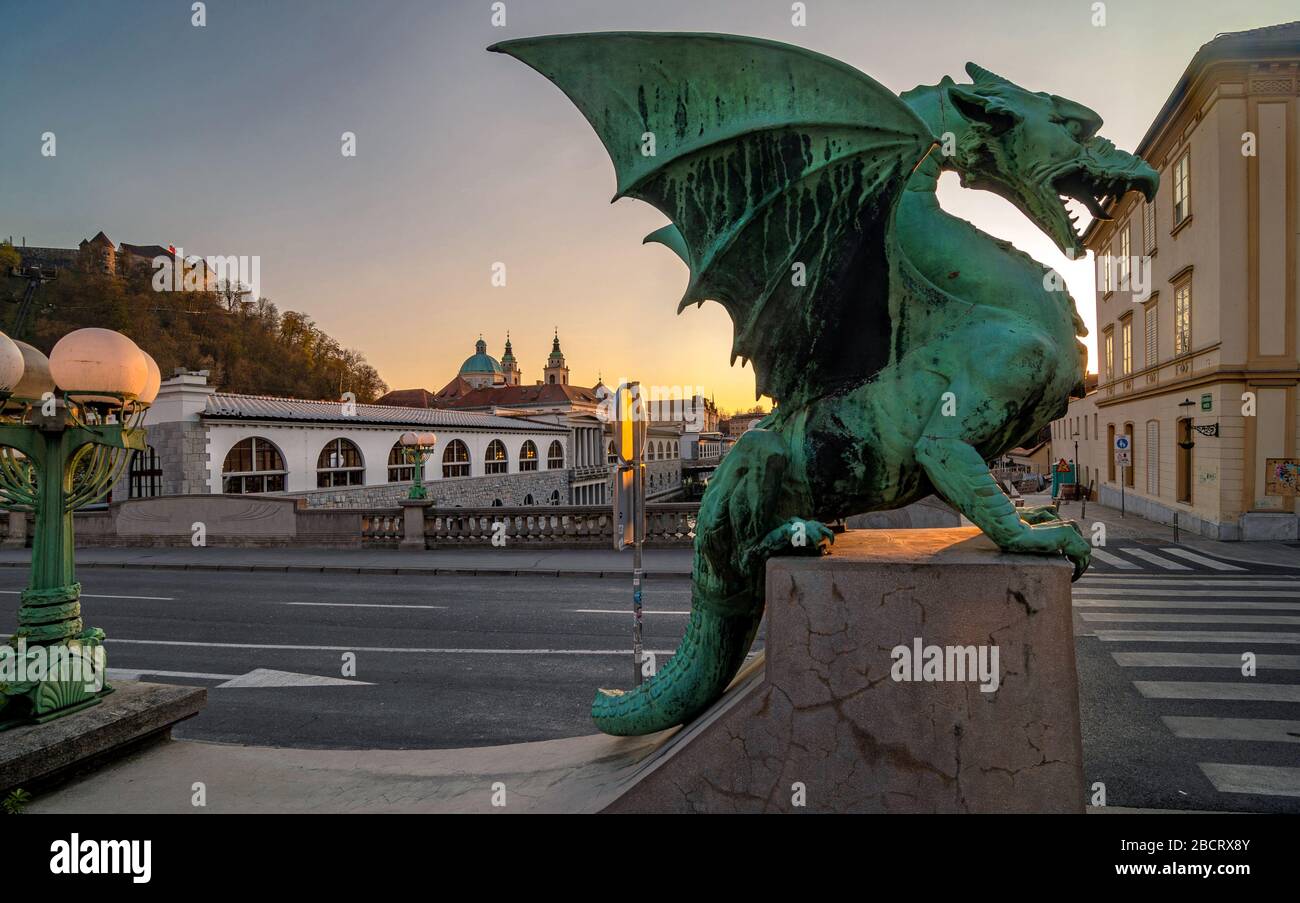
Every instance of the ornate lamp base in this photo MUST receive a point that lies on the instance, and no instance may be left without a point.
(53, 665)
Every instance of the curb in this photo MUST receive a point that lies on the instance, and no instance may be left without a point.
(364, 570)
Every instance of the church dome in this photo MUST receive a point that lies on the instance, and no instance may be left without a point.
(480, 362)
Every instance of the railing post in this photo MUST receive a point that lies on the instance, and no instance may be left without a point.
(17, 536)
(413, 539)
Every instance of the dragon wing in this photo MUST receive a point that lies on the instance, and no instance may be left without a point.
(779, 169)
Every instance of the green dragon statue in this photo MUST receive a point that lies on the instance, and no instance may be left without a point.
(903, 346)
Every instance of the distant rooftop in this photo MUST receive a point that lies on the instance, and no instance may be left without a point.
(227, 406)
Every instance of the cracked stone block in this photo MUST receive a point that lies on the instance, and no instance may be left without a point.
(827, 712)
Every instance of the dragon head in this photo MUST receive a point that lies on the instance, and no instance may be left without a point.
(1039, 151)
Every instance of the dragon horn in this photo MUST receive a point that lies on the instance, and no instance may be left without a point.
(980, 75)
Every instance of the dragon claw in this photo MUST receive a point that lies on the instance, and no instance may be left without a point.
(1039, 514)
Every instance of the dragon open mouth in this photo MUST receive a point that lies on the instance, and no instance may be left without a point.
(1095, 187)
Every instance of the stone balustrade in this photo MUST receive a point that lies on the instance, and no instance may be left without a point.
(279, 522)
(667, 525)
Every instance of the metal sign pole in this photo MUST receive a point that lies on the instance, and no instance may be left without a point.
(629, 429)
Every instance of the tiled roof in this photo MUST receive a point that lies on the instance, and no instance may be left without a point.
(507, 396)
(407, 398)
(223, 406)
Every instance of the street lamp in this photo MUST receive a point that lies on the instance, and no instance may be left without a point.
(61, 448)
(418, 446)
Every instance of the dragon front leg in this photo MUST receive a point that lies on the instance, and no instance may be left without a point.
(961, 476)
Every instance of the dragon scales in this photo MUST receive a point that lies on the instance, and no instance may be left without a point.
(915, 347)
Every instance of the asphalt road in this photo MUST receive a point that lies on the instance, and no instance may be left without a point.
(476, 661)
(443, 662)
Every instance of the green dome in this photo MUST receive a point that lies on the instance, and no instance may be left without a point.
(480, 361)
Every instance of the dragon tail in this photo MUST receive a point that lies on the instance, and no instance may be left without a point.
(709, 656)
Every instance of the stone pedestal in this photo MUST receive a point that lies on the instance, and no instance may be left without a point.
(831, 722)
(413, 524)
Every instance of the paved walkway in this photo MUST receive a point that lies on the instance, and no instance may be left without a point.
(670, 563)
(1130, 526)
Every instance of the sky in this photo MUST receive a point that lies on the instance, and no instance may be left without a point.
(226, 139)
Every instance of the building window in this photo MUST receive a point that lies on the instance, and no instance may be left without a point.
(527, 457)
(1185, 460)
(1126, 345)
(1183, 318)
(555, 496)
(1151, 315)
(1132, 453)
(610, 456)
(1107, 259)
(145, 474)
(401, 467)
(455, 460)
(528, 500)
(253, 465)
(1182, 188)
(555, 456)
(1148, 228)
(1110, 453)
(1108, 353)
(496, 460)
(340, 464)
(1153, 458)
(1122, 265)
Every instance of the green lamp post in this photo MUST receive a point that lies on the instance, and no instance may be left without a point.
(418, 447)
(61, 448)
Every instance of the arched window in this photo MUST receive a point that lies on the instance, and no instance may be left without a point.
(340, 464)
(145, 474)
(528, 499)
(496, 503)
(401, 467)
(253, 465)
(555, 496)
(528, 457)
(555, 456)
(496, 461)
(455, 459)
(610, 455)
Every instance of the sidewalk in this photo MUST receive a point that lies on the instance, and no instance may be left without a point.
(1132, 527)
(660, 563)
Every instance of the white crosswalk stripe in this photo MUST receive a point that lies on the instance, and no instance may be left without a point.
(1230, 694)
(1157, 560)
(1201, 559)
(1115, 560)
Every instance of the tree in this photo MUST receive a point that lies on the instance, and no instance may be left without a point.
(9, 258)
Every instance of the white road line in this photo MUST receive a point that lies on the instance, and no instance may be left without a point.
(1114, 560)
(128, 674)
(1262, 780)
(1184, 593)
(1101, 580)
(1182, 603)
(1197, 689)
(620, 611)
(395, 649)
(366, 605)
(16, 592)
(1254, 729)
(1201, 559)
(1159, 618)
(1203, 660)
(1156, 560)
(1199, 636)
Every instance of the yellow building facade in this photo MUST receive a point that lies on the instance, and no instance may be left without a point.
(1196, 304)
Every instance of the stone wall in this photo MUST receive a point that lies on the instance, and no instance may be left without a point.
(466, 492)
